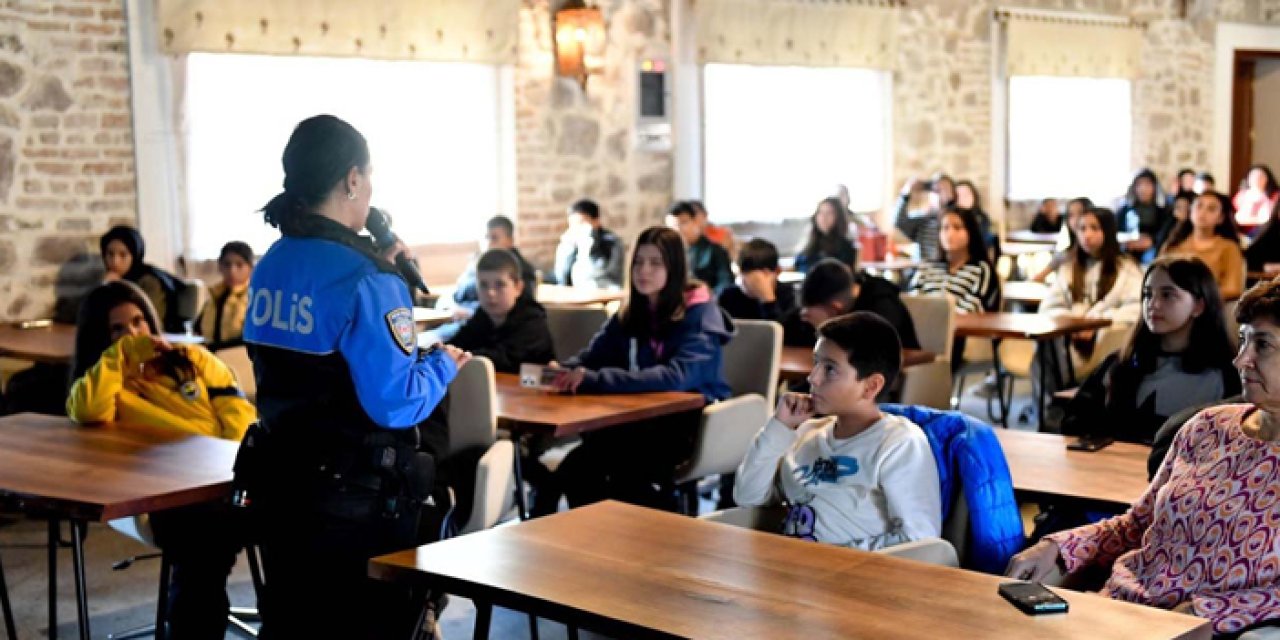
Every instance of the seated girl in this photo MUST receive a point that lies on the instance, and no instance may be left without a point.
(1201, 540)
(123, 251)
(1066, 238)
(221, 321)
(1178, 356)
(125, 372)
(855, 477)
(965, 271)
(1099, 281)
(828, 237)
(1210, 234)
(667, 337)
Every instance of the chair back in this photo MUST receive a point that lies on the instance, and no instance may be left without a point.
(752, 358)
(473, 403)
(237, 359)
(572, 328)
(934, 317)
(190, 299)
(723, 436)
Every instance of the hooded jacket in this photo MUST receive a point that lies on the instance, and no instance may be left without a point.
(969, 455)
(524, 337)
(686, 357)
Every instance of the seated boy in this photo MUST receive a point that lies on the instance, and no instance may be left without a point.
(508, 328)
(708, 261)
(830, 289)
(499, 234)
(854, 477)
(758, 295)
(588, 255)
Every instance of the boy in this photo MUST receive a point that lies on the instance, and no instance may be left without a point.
(830, 289)
(708, 261)
(588, 254)
(757, 295)
(499, 233)
(508, 328)
(855, 477)
(722, 236)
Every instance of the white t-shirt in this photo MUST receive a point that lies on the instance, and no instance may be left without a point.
(874, 490)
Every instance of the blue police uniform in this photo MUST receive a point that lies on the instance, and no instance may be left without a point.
(337, 475)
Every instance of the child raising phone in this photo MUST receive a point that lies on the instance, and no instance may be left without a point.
(855, 477)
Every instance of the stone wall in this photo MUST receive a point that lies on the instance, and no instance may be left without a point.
(66, 146)
(572, 143)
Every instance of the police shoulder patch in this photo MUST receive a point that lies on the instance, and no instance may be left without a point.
(400, 322)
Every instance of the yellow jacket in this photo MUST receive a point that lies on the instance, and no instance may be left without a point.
(234, 308)
(117, 389)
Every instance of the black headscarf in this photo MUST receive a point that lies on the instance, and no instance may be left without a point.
(132, 240)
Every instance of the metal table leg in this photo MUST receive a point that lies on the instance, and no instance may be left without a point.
(522, 508)
(995, 361)
(82, 595)
(53, 577)
(162, 599)
(9, 626)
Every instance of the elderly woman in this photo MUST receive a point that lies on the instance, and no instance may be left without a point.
(1205, 537)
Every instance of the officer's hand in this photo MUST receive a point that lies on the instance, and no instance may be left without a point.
(460, 358)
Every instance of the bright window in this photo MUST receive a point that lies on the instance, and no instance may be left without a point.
(433, 131)
(1069, 137)
(779, 139)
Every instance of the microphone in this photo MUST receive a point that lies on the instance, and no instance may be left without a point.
(377, 225)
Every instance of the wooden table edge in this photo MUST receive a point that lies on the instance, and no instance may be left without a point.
(98, 512)
(562, 429)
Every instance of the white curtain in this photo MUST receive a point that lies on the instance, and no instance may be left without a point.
(811, 33)
(1040, 45)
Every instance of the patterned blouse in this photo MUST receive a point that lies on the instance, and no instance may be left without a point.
(1206, 530)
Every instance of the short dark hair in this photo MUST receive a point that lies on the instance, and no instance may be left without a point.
(681, 208)
(826, 281)
(587, 208)
(872, 343)
(321, 151)
(499, 260)
(501, 222)
(698, 207)
(238, 248)
(757, 254)
(1205, 176)
(1260, 302)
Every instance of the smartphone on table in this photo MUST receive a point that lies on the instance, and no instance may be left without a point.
(1032, 598)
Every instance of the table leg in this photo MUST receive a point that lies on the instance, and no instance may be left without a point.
(82, 595)
(53, 577)
(533, 627)
(522, 509)
(1071, 365)
(995, 361)
(9, 627)
(162, 598)
(484, 611)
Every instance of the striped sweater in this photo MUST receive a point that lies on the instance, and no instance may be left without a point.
(974, 286)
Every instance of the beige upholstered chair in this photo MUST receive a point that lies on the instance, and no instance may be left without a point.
(573, 327)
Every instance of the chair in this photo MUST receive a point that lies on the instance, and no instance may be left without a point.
(9, 627)
(473, 422)
(237, 359)
(572, 328)
(934, 318)
(751, 361)
(191, 298)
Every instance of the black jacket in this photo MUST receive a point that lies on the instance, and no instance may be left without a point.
(877, 295)
(523, 338)
(740, 306)
(710, 263)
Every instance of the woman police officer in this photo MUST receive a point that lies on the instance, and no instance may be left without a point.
(332, 470)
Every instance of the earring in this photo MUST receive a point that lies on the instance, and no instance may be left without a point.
(351, 195)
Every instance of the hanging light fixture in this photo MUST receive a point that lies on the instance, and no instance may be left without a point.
(579, 34)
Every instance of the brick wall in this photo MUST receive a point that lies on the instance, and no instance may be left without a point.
(66, 146)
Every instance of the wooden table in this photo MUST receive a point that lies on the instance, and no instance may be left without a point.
(526, 412)
(53, 468)
(1041, 465)
(631, 572)
(1024, 292)
(556, 295)
(53, 344)
(895, 264)
(426, 318)
(1030, 237)
(798, 361)
(1014, 249)
(1043, 329)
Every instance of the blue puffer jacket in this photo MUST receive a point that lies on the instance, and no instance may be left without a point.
(967, 451)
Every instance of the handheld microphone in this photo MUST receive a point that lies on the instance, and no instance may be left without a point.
(377, 225)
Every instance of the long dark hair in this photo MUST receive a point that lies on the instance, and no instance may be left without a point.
(977, 199)
(1209, 347)
(1157, 192)
(636, 316)
(1272, 188)
(1226, 227)
(827, 243)
(1109, 255)
(1085, 205)
(977, 244)
(320, 153)
(93, 330)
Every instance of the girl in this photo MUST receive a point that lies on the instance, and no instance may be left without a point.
(1210, 234)
(1048, 219)
(125, 372)
(123, 250)
(828, 237)
(1098, 281)
(1178, 356)
(1066, 238)
(1257, 198)
(965, 272)
(1144, 213)
(222, 320)
(667, 337)
(967, 200)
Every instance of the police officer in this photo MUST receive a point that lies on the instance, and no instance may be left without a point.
(332, 471)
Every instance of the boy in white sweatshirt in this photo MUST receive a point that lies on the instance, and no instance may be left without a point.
(856, 477)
